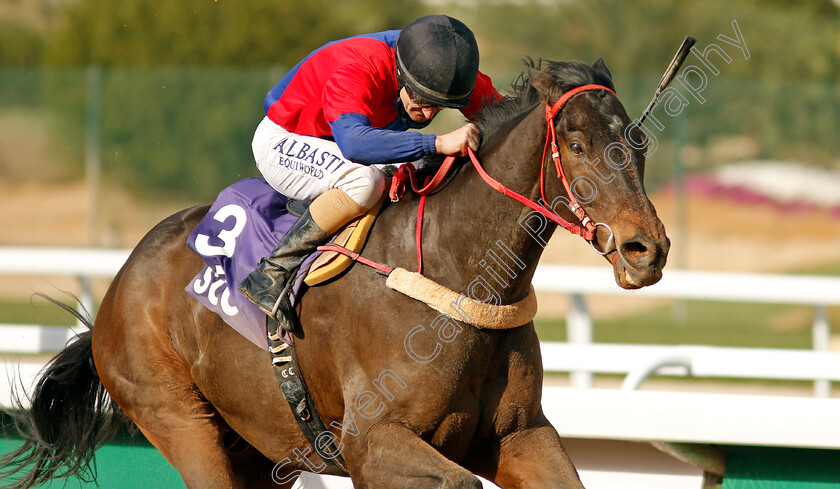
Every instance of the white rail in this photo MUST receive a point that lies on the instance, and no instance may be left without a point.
(676, 284)
(625, 414)
(688, 417)
(695, 285)
(815, 291)
(61, 262)
(28, 339)
(613, 414)
(82, 263)
(691, 360)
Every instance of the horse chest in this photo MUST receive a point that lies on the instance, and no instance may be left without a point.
(453, 434)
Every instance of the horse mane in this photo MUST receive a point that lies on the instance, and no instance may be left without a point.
(524, 97)
(494, 118)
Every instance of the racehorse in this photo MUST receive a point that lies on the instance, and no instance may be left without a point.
(411, 401)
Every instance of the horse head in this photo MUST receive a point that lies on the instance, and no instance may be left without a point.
(603, 157)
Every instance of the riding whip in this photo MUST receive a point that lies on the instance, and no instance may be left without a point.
(669, 75)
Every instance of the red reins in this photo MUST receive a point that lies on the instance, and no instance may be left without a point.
(587, 228)
(496, 185)
(406, 174)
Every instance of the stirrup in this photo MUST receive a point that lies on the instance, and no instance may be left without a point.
(285, 322)
(282, 296)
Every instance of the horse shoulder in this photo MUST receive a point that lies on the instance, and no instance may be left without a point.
(512, 397)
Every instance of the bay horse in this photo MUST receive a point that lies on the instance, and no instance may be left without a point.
(427, 411)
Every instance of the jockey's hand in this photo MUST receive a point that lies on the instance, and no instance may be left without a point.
(456, 142)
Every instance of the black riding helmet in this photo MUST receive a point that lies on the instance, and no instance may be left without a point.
(437, 58)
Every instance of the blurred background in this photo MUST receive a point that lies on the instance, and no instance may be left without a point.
(114, 115)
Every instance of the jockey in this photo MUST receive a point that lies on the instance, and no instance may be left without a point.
(346, 107)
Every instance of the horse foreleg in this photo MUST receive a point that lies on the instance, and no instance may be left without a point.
(393, 456)
(534, 458)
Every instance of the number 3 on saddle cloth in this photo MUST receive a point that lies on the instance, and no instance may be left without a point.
(245, 223)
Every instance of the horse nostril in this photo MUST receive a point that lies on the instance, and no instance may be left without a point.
(635, 252)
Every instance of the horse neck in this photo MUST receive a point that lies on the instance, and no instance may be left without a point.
(472, 233)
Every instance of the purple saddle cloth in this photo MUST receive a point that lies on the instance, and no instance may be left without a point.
(244, 225)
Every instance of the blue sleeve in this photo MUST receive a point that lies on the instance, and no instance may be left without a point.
(361, 143)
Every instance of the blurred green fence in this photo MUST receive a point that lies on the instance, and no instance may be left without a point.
(187, 131)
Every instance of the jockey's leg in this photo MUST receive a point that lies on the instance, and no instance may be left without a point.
(327, 213)
(340, 191)
(264, 286)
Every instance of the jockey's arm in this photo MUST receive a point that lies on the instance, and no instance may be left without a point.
(363, 143)
(360, 142)
(456, 142)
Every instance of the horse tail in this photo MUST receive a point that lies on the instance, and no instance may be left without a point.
(70, 416)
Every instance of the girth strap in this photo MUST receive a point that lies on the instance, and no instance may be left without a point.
(284, 360)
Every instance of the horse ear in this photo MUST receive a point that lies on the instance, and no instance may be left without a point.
(542, 82)
(599, 67)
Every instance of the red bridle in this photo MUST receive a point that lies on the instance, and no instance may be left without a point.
(586, 229)
(551, 111)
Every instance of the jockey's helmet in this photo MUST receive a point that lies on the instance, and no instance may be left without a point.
(437, 59)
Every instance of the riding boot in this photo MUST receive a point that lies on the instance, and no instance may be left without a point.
(268, 285)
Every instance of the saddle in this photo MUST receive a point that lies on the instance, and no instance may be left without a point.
(352, 237)
(243, 225)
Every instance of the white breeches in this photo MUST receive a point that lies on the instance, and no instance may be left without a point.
(304, 167)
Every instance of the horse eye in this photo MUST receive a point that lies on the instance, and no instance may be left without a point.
(576, 148)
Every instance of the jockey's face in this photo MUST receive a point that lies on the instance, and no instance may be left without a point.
(419, 110)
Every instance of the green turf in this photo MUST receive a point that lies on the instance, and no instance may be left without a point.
(701, 322)
(127, 461)
(34, 311)
(781, 468)
(120, 465)
(824, 270)
(704, 322)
